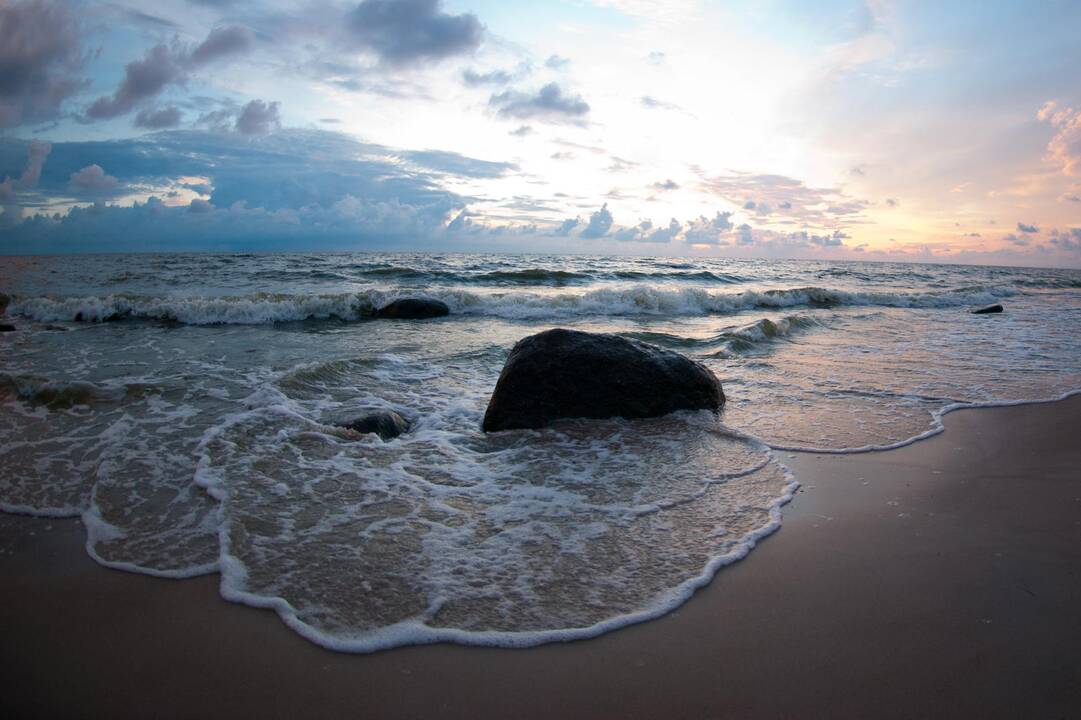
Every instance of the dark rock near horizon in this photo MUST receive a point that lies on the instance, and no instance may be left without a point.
(571, 374)
(988, 310)
(4, 327)
(412, 309)
(387, 424)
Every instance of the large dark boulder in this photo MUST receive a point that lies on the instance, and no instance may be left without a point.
(4, 327)
(412, 309)
(386, 424)
(988, 310)
(570, 374)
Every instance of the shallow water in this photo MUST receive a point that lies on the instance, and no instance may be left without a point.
(185, 406)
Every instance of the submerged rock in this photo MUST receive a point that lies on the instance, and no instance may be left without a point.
(4, 327)
(387, 424)
(413, 309)
(570, 374)
(988, 310)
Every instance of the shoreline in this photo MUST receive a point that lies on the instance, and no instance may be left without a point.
(923, 580)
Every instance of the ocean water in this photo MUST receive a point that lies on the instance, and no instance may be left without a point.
(185, 406)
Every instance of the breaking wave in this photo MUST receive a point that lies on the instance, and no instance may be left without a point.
(267, 308)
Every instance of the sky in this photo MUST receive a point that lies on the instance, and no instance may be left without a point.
(876, 130)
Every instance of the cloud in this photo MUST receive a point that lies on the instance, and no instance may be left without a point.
(549, 104)
(165, 65)
(645, 231)
(709, 231)
(28, 179)
(1065, 147)
(473, 78)
(1066, 239)
(143, 79)
(92, 180)
(522, 131)
(292, 188)
(222, 42)
(652, 103)
(1021, 227)
(566, 226)
(258, 118)
(665, 186)
(1019, 240)
(158, 119)
(811, 205)
(452, 163)
(555, 62)
(406, 32)
(600, 222)
(892, 202)
(40, 57)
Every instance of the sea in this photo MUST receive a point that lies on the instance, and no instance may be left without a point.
(188, 409)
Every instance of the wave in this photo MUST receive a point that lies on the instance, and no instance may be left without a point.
(54, 394)
(268, 308)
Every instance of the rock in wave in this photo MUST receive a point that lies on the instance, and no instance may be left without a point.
(570, 374)
(413, 309)
(988, 310)
(386, 424)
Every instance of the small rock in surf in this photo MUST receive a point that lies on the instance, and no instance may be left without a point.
(4, 327)
(386, 424)
(988, 310)
(570, 374)
(412, 309)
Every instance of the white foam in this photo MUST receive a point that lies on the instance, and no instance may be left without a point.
(264, 308)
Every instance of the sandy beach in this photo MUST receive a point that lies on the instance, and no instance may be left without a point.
(942, 579)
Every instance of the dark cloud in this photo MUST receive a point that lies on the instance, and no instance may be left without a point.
(549, 104)
(40, 58)
(293, 188)
(143, 79)
(1019, 240)
(1022, 227)
(92, 180)
(36, 152)
(600, 222)
(892, 202)
(555, 62)
(258, 118)
(749, 205)
(220, 43)
(473, 78)
(158, 119)
(405, 32)
(165, 65)
(665, 186)
(522, 131)
(28, 179)
(141, 18)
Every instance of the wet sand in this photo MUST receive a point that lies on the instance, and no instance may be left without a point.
(938, 580)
